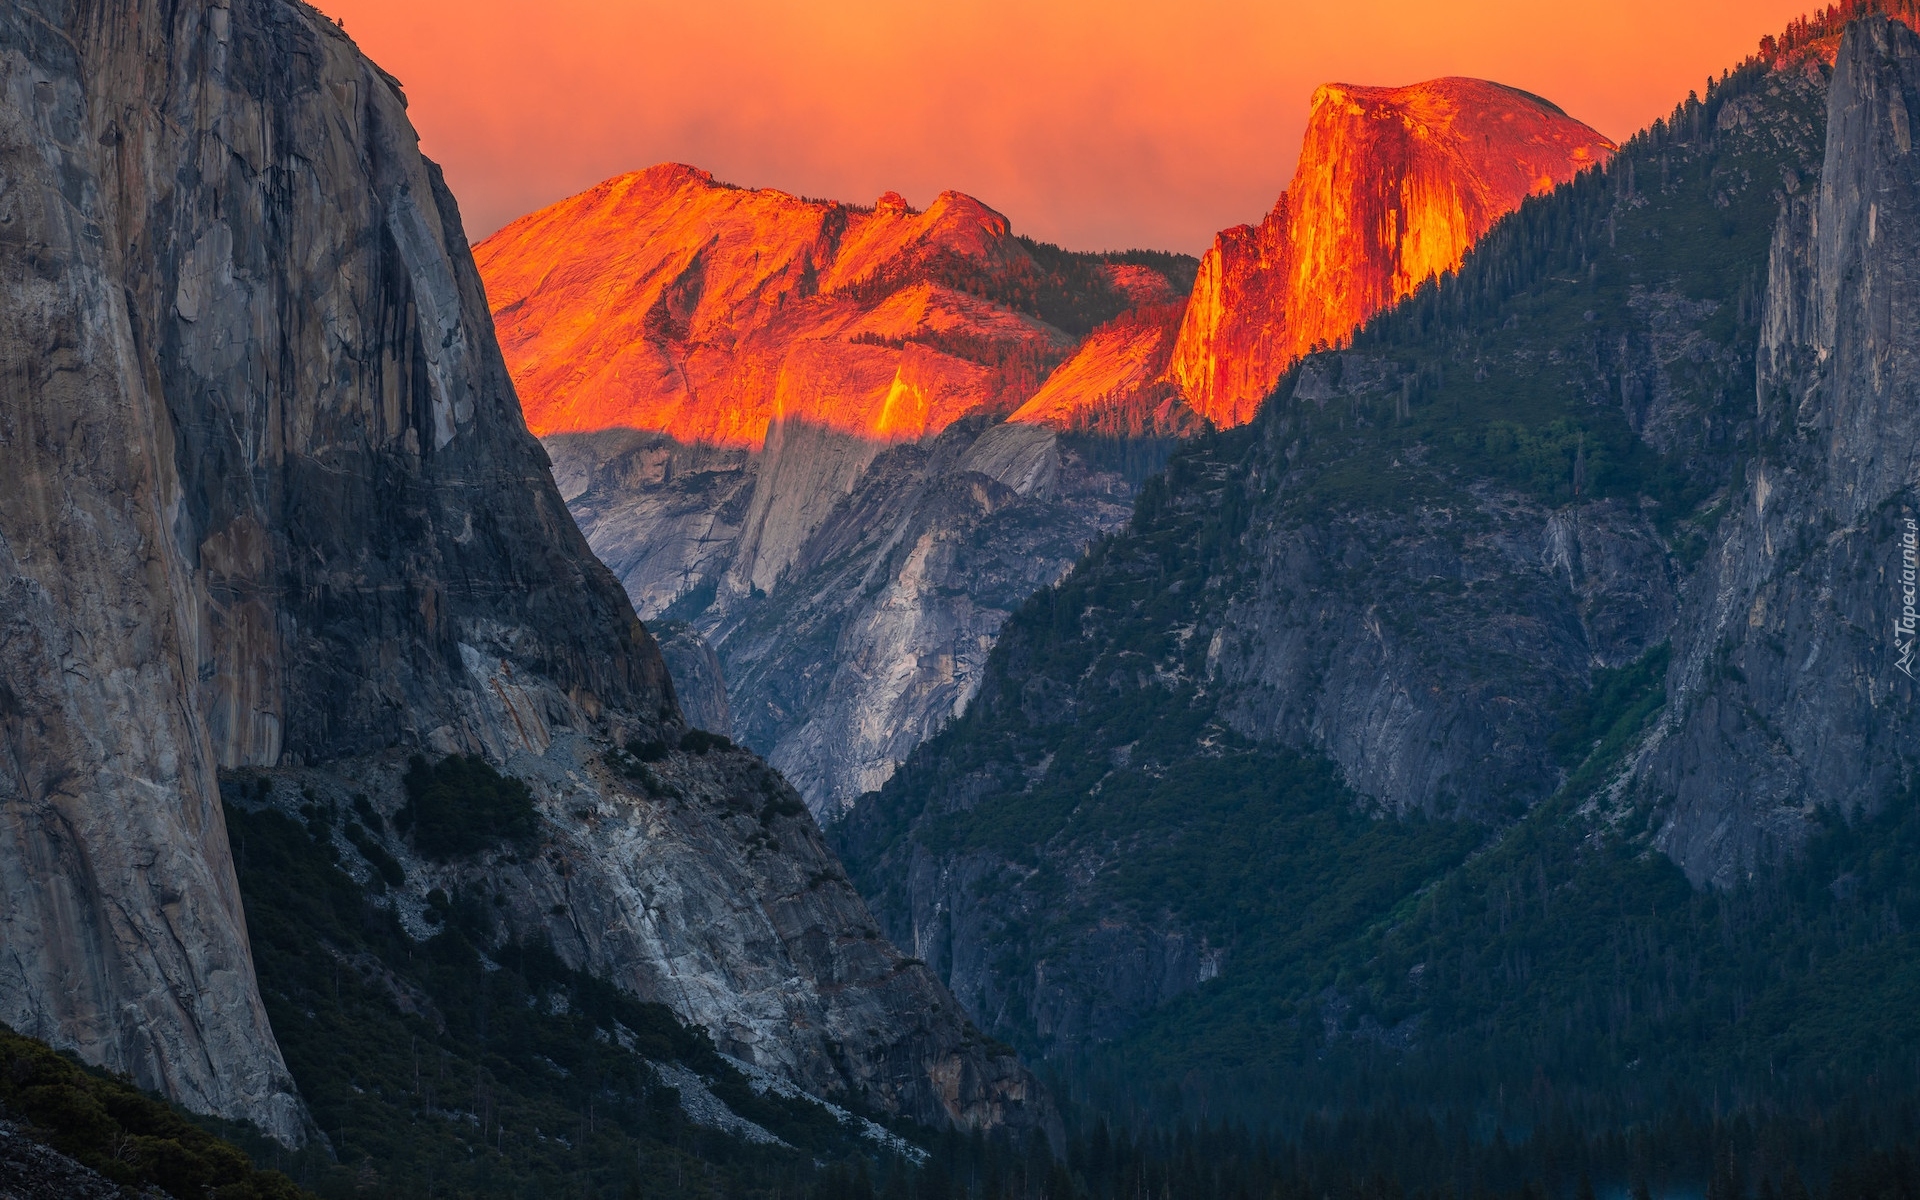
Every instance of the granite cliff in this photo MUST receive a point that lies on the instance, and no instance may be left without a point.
(276, 512)
(1392, 188)
(894, 575)
(1792, 680)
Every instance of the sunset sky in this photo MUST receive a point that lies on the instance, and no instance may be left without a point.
(1093, 123)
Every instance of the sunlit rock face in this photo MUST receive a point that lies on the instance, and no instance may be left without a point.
(1393, 186)
(1116, 381)
(667, 301)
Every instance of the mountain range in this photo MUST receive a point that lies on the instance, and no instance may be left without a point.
(844, 443)
(807, 472)
(1419, 697)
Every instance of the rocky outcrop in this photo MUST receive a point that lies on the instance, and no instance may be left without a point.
(698, 680)
(879, 631)
(699, 881)
(664, 515)
(1393, 186)
(1792, 668)
(276, 509)
(1425, 709)
(845, 635)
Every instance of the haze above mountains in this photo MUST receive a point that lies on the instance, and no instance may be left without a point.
(1156, 124)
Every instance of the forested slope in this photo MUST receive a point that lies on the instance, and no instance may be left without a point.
(1330, 781)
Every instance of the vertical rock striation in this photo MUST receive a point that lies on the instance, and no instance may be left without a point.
(273, 506)
(879, 630)
(1789, 689)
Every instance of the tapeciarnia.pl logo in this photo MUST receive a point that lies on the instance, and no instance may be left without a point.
(1905, 622)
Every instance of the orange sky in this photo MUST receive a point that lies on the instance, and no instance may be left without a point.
(1093, 123)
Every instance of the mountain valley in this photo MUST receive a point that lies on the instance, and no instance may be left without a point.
(713, 694)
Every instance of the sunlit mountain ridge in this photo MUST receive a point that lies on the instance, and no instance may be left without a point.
(667, 301)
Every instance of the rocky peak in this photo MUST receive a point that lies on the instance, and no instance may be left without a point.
(774, 419)
(1392, 187)
(664, 300)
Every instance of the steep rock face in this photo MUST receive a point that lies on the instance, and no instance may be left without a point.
(700, 882)
(697, 677)
(880, 630)
(665, 516)
(1792, 668)
(1116, 382)
(280, 512)
(1393, 186)
(1417, 709)
(844, 636)
(663, 300)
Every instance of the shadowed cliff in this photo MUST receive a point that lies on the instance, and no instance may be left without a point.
(278, 510)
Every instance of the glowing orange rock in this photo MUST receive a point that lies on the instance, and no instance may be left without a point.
(1113, 380)
(1393, 186)
(664, 300)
